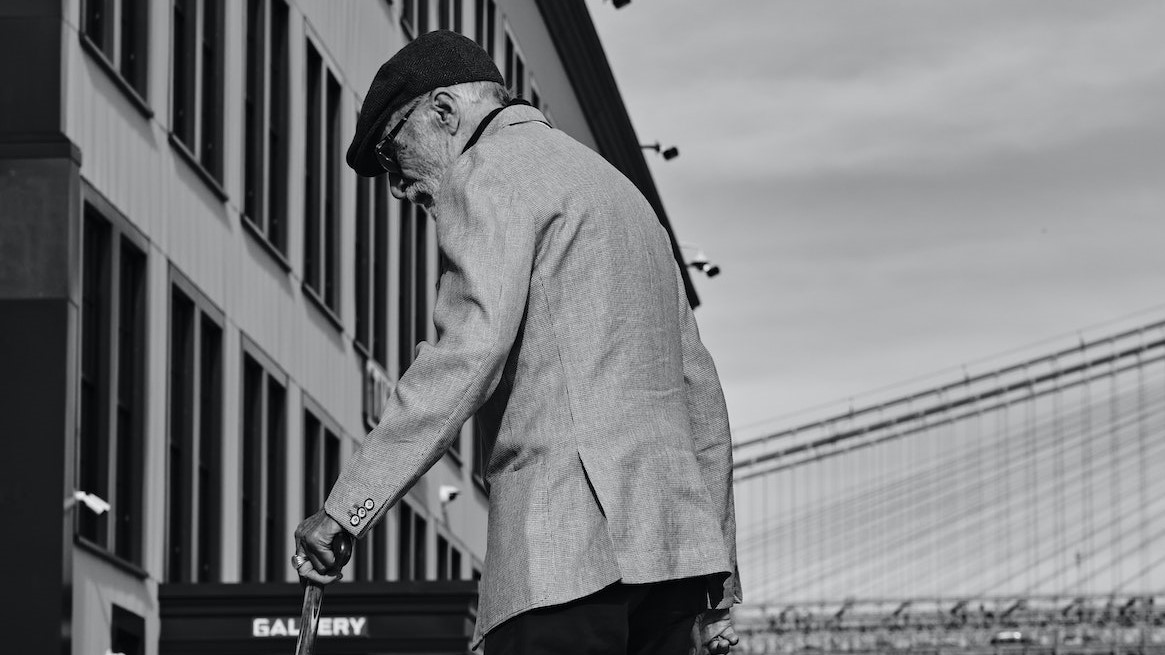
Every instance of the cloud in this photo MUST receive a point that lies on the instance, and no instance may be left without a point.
(798, 90)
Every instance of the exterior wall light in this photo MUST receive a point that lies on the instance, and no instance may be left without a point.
(668, 153)
(700, 262)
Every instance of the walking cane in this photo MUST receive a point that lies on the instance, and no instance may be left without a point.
(313, 597)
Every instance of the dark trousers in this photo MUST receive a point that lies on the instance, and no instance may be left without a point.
(623, 619)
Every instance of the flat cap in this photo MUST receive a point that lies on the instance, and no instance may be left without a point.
(432, 60)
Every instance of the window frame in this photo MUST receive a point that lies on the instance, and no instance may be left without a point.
(321, 244)
(262, 553)
(124, 624)
(514, 67)
(328, 433)
(412, 543)
(118, 534)
(197, 89)
(450, 15)
(264, 210)
(414, 18)
(202, 530)
(134, 83)
(415, 274)
(485, 25)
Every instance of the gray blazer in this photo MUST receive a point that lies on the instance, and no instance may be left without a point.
(561, 317)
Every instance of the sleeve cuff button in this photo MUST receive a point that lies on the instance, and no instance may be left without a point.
(368, 504)
(355, 521)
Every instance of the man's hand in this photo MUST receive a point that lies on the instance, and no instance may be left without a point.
(712, 633)
(313, 558)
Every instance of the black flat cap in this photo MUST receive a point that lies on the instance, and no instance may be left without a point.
(432, 60)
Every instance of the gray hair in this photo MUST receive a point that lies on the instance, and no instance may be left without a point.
(483, 91)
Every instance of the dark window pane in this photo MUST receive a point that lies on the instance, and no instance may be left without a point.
(311, 176)
(363, 260)
(442, 558)
(127, 632)
(404, 546)
(97, 26)
(311, 463)
(421, 319)
(181, 425)
(509, 63)
(210, 453)
(251, 491)
(127, 505)
(407, 286)
(419, 533)
(210, 155)
(278, 540)
(93, 449)
(331, 464)
(277, 128)
(331, 194)
(422, 16)
(134, 43)
(183, 73)
(252, 112)
(380, 269)
(519, 77)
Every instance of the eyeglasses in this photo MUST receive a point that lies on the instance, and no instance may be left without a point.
(386, 148)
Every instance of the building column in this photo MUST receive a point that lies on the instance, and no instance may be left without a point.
(39, 300)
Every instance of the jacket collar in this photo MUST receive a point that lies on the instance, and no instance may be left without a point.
(513, 114)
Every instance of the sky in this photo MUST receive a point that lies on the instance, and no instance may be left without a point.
(897, 188)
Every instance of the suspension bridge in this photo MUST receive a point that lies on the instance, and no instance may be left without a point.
(1016, 507)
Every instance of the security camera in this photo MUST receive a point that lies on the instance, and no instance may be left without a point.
(447, 493)
(700, 263)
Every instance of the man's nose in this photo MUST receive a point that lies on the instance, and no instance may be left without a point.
(395, 185)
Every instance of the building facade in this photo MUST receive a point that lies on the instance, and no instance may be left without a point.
(202, 308)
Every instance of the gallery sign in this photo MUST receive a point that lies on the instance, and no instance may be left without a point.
(329, 626)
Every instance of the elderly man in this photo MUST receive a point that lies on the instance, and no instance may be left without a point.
(562, 322)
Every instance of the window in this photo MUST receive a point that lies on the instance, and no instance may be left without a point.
(372, 555)
(198, 82)
(194, 471)
(117, 32)
(127, 632)
(411, 544)
(372, 269)
(321, 184)
(321, 460)
(265, 122)
(265, 540)
(414, 281)
(113, 339)
(448, 560)
(485, 19)
(515, 70)
(449, 15)
(414, 17)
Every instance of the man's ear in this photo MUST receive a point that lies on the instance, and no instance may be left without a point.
(447, 110)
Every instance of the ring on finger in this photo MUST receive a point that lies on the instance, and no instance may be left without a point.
(298, 560)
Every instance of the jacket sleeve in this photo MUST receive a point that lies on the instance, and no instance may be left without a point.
(712, 437)
(487, 244)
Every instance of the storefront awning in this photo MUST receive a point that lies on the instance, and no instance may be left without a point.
(357, 617)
